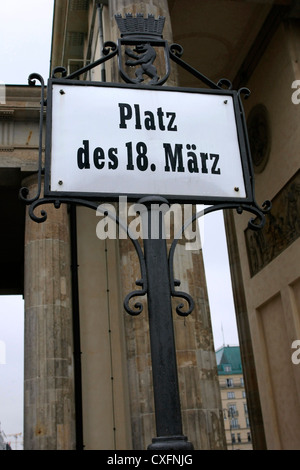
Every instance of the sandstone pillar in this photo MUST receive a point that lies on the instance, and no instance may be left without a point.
(198, 381)
(49, 421)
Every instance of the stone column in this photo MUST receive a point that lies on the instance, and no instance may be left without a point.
(198, 381)
(49, 418)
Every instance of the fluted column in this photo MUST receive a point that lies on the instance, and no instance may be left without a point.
(49, 419)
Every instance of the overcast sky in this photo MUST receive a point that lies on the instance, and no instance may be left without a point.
(25, 44)
(25, 39)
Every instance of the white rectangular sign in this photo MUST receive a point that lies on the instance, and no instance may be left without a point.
(136, 142)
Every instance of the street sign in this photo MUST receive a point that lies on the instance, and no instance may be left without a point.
(107, 140)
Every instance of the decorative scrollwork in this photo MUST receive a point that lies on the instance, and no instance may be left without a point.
(24, 192)
(245, 92)
(254, 209)
(109, 50)
(35, 203)
(61, 70)
(43, 215)
(33, 77)
(176, 51)
(138, 306)
(109, 47)
(184, 295)
(259, 223)
(224, 82)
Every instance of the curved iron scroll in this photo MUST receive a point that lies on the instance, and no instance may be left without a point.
(252, 224)
(142, 282)
(176, 51)
(23, 193)
(109, 50)
(255, 224)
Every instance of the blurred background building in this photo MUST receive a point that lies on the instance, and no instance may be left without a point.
(234, 400)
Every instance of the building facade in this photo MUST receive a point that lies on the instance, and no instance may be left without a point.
(233, 395)
(87, 364)
(265, 268)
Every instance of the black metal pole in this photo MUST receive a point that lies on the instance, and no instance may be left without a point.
(76, 332)
(163, 352)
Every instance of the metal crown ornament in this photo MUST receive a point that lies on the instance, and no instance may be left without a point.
(137, 25)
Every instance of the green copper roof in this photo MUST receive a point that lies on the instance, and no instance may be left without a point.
(229, 360)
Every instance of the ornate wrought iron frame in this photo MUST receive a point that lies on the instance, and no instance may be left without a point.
(175, 52)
